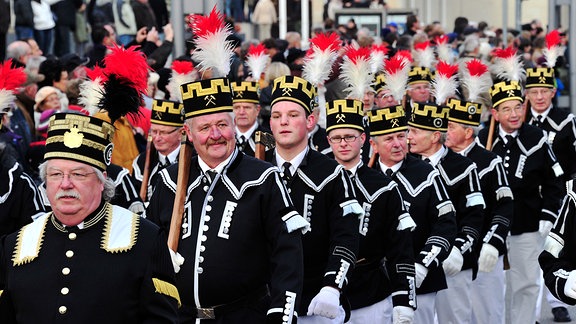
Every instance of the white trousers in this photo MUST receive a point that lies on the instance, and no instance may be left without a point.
(523, 277)
(424, 314)
(381, 312)
(323, 320)
(488, 295)
(453, 305)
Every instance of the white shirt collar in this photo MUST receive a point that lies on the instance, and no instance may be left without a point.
(171, 156)
(503, 134)
(544, 114)
(296, 161)
(394, 168)
(247, 134)
(435, 158)
(204, 167)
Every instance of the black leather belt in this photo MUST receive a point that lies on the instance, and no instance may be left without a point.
(218, 310)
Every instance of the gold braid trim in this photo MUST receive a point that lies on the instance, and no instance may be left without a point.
(166, 288)
(28, 231)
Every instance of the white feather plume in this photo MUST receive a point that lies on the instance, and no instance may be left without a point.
(355, 72)
(214, 52)
(91, 92)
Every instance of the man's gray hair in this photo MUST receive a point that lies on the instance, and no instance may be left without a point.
(109, 186)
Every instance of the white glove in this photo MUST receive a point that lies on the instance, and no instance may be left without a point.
(421, 273)
(545, 227)
(488, 258)
(177, 260)
(326, 303)
(402, 315)
(453, 263)
(570, 286)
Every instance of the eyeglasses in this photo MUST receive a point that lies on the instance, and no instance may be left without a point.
(73, 176)
(338, 139)
(508, 110)
(163, 133)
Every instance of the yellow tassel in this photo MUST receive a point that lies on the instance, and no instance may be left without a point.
(167, 289)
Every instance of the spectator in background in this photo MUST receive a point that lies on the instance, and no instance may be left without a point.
(55, 75)
(124, 21)
(160, 10)
(412, 25)
(43, 25)
(143, 13)
(4, 25)
(102, 39)
(19, 52)
(65, 18)
(264, 16)
(24, 24)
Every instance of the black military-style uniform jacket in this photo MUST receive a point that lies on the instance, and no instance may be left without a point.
(249, 145)
(497, 196)
(321, 190)
(240, 234)
(20, 199)
(559, 256)
(116, 269)
(560, 127)
(138, 172)
(533, 175)
(427, 202)
(460, 177)
(385, 232)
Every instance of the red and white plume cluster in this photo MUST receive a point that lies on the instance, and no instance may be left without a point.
(443, 49)
(423, 54)
(257, 60)
(552, 50)
(444, 83)
(355, 71)
(182, 72)
(92, 90)
(377, 56)
(320, 57)
(476, 79)
(396, 73)
(507, 65)
(10, 80)
(213, 49)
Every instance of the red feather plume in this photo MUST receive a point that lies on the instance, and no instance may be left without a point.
(203, 26)
(128, 64)
(445, 69)
(182, 67)
(553, 39)
(476, 67)
(11, 79)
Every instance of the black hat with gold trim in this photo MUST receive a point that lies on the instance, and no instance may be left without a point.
(246, 91)
(295, 89)
(387, 120)
(206, 97)
(429, 116)
(379, 82)
(80, 138)
(476, 80)
(423, 55)
(344, 113)
(510, 75)
(464, 112)
(544, 76)
(165, 112)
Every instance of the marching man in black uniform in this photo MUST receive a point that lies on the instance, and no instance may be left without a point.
(558, 124)
(488, 289)
(426, 134)
(166, 130)
(64, 257)
(246, 103)
(534, 177)
(240, 238)
(20, 199)
(384, 230)
(557, 259)
(321, 187)
(422, 190)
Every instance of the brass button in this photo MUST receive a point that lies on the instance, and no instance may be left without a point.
(69, 254)
(62, 309)
(66, 271)
(64, 291)
(72, 236)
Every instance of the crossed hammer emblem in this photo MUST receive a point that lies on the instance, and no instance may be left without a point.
(395, 122)
(158, 115)
(510, 93)
(286, 91)
(210, 100)
(542, 79)
(340, 118)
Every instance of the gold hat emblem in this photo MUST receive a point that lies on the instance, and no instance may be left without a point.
(73, 139)
(340, 118)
